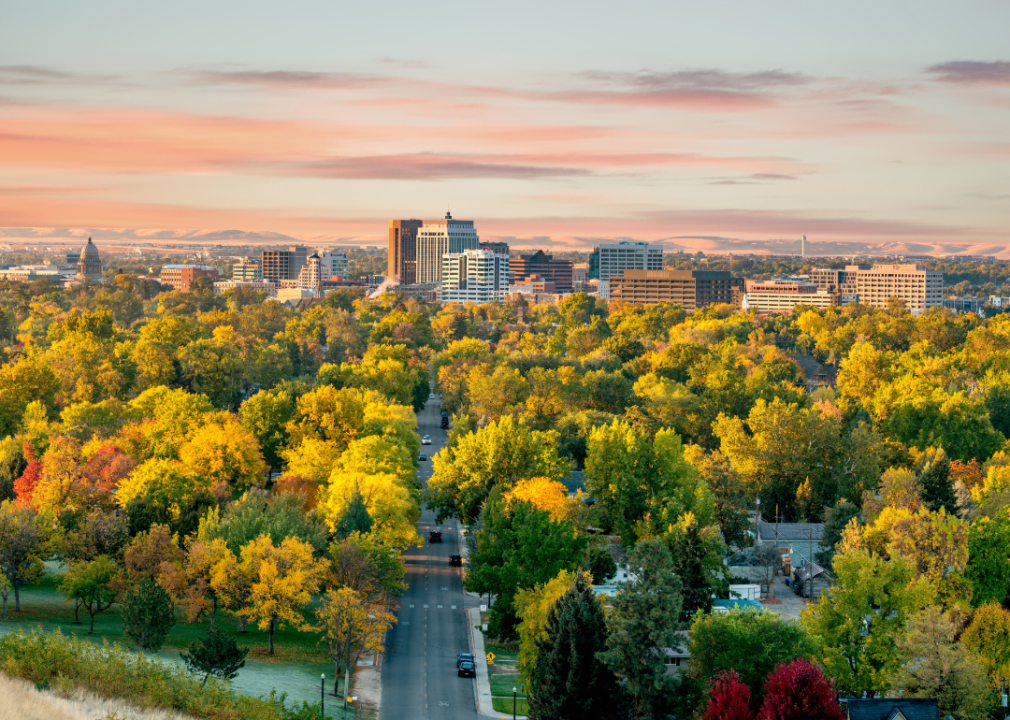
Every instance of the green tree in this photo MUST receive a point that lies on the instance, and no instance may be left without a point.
(148, 615)
(518, 547)
(857, 625)
(88, 583)
(751, 643)
(989, 636)
(698, 554)
(266, 415)
(937, 488)
(498, 455)
(836, 519)
(217, 654)
(643, 624)
(569, 680)
(27, 538)
(22, 382)
(256, 513)
(355, 520)
(988, 568)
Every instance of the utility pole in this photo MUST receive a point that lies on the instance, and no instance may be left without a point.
(810, 559)
(347, 667)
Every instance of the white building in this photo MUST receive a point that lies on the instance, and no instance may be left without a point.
(435, 238)
(478, 276)
(333, 266)
(608, 260)
(918, 287)
(267, 286)
(310, 277)
(781, 295)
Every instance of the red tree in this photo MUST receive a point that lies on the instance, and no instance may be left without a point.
(24, 486)
(799, 691)
(728, 698)
(107, 468)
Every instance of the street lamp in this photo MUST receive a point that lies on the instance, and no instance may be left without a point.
(514, 691)
(322, 693)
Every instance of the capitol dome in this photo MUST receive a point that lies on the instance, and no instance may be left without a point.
(90, 265)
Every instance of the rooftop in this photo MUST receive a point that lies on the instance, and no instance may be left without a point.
(791, 532)
(893, 708)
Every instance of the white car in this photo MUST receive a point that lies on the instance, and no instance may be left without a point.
(426, 440)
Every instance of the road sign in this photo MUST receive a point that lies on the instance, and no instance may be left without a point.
(490, 658)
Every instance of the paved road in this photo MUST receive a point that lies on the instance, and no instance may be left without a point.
(419, 672)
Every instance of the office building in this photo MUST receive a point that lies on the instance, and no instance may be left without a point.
(609, 260)
(247, 269)
(918, 287)
(966, 305)
(333, 266)
(311, 275)
(543, 265)
(580, 277)
(265, 286)
(280, 265)
(780, 295)
(502, 248)
(89, 263)
(688, 288)
(477, 276)
(402, 251)
(181, 277)
(838, 280)
(436, 238)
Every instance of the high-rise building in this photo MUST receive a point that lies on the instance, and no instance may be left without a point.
(688, 288)
(502, 248)
(247, 269)
(280, 265)
(780, 295)
(841, 281)
(89, 264)
(435, 238)
(918, 287)
(402, 255)
(478, 276)
(613, 259)
(540, 263)
(333, 265)
(310, 277)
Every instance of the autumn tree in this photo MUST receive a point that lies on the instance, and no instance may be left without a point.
(988, 567)
(257, 513)
(28, 379)
(166, 484)
(533, 605)
(224, 453)
(799, 691)
(266, 415)
(284, 578)
(191, 582)
(937, 487)
(147, 552)
(988, 635)
(90, 584)
(27, 537)
(350, 627)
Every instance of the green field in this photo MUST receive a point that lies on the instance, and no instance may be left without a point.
(504, 705)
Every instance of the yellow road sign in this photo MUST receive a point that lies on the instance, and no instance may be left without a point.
(490, 658)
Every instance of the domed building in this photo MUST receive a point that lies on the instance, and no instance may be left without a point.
(89, 267)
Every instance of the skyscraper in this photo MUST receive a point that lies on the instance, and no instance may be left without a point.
(435, 238)
(402, 263)
(280, 265)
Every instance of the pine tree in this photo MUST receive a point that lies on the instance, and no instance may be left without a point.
(569, 681)
(215, 654)
(644, 622)
(728, 699)
(799, 691)
(355, 519)
(933, 470)
(148, 615)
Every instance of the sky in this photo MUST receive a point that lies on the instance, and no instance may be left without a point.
(715, 126)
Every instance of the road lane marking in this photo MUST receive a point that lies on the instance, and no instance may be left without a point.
(453, 607)
(439, 607)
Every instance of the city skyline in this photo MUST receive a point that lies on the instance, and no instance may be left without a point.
(734, 128)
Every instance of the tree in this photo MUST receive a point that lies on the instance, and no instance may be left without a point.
(215, 654)
(266, 415)
(256, 513)
(730, 504)
(988, 568)
(698, 554)
(5, 589)
(28, 379)
(147, 553)
(391, 506)
(355, 519)
(284, 577)
(191, 583)
(224, 453)
(643, 624)
(936, 666)
(89, 583)
(749, 643)
(856, 625)
(989, 636)
(148, 615)
(799, 691)
(836, 518)
(569, 680)
(517, 547)
(498, 455)
(533, 605)
(362, 562)
(728, 698)
(933, 469)
(27, 538)
(350, 627)
(166, 484)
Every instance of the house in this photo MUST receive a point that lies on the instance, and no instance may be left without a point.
(801, 540)
(817, 375)
(893, 709)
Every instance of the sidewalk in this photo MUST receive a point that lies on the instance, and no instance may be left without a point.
(483, 684)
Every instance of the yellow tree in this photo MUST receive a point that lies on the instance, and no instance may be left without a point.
(164, 483)
(350, 627)
(392, 507)
(231, 580)
(533, 605)
(224, 452)
(546, 494)
(61, 485)
(284, 579)
(191, 583)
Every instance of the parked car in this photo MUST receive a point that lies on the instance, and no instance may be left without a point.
(456, 560)
(426, 440)
(422, 457)
(466, 669)
(445, 423)
(464, 657)
(434, 536)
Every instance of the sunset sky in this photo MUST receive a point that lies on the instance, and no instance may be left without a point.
(705, 125)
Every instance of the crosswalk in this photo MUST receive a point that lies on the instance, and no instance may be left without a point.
(437, 607)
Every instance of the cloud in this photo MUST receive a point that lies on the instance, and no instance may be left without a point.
(706, 80)
(430, 166)
(407, 64)
(42, 75)
(284, 79)
(971, 72)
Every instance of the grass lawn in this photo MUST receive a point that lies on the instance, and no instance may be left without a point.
(293, 669)
(504, 705)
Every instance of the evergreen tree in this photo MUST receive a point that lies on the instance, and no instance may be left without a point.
(644, 622)
(569, 681)
(148, 615)
(355, 519)
(933, 471)
(215, 654)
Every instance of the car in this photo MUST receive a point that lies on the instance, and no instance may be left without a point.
(422, 457)
(434, 536)
(466, 669)
(445, 423)
(426, 440)
(463, 657)
(432, 396)
(455, 560)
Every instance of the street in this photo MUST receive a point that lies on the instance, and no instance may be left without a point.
(419, 668)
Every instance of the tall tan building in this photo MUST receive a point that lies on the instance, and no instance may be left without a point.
(688, 288)
(918, 287)
(402, 262)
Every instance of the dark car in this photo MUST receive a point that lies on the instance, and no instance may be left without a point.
(434, 536)
(455, 560)
(445, 423)
(466, 669)
(464, 657)
(422, 456)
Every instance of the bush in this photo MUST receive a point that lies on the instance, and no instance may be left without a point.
(112, 671)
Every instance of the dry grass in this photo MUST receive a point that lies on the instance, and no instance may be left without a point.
(21, 701)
